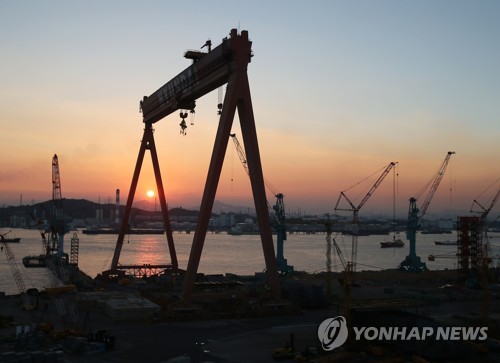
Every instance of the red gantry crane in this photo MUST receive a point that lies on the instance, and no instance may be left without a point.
(227, 63)
(355, 209)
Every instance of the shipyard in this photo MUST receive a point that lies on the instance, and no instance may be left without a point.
(282, 190)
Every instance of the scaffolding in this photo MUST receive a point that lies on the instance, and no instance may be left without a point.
(469, 243)
(75, 246)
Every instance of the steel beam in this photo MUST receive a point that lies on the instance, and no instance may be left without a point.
(237, 96)
(147, 143)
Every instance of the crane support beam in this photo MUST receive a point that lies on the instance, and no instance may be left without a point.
(207, 73)
(147, 143)
(237, 97)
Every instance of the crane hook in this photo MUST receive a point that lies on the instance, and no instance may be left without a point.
(183, 125)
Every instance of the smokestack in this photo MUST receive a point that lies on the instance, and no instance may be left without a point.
(117, 211)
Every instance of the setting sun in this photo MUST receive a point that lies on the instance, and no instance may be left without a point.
(150, 193)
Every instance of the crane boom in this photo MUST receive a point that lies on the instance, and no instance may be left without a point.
(241, 153)
(11, 259)
(278, 211)
(57, 223)
(376, 184)
(485, 211)
(355, 210)
(368, 194)
(435, 184)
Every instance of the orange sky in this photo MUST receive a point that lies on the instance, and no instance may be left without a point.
(334, 100)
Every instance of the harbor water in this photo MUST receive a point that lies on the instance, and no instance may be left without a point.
(223, 253)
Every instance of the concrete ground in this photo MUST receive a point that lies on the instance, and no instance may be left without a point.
(253, 340)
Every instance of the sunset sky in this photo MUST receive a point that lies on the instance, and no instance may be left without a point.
(339, 90)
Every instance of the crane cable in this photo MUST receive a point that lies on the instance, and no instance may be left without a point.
(365, 179)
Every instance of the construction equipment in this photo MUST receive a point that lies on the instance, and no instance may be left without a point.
(57, 227)
(412, 262)
(347, 266)
(278, 211)
(11, 260)
(477, 208)
(355, 209)
(225, 64)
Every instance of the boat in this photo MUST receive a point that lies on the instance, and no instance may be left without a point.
(10, 240)
(446, 243)
(4, 239)
(35, 261)
(395, 243)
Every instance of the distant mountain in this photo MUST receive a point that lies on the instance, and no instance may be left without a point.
(221, 207)
(81, 208)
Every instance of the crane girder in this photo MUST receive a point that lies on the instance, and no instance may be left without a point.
(208, 72)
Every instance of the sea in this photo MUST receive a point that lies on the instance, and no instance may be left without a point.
(224, 253)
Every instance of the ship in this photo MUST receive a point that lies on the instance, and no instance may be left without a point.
(10, 240)
(4, 239)
(35, 261)
(446, 243)
(395, 243)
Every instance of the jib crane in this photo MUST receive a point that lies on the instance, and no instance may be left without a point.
(355, 210)
(57, 227)
(412, 262)
(482, 211)
(278, 211)
(11, 260)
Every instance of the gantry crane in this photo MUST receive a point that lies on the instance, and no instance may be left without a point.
(278, 211)
(227, 63)
(355, 210)
(412, 262)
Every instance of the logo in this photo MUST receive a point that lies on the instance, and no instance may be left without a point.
(332, 333)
